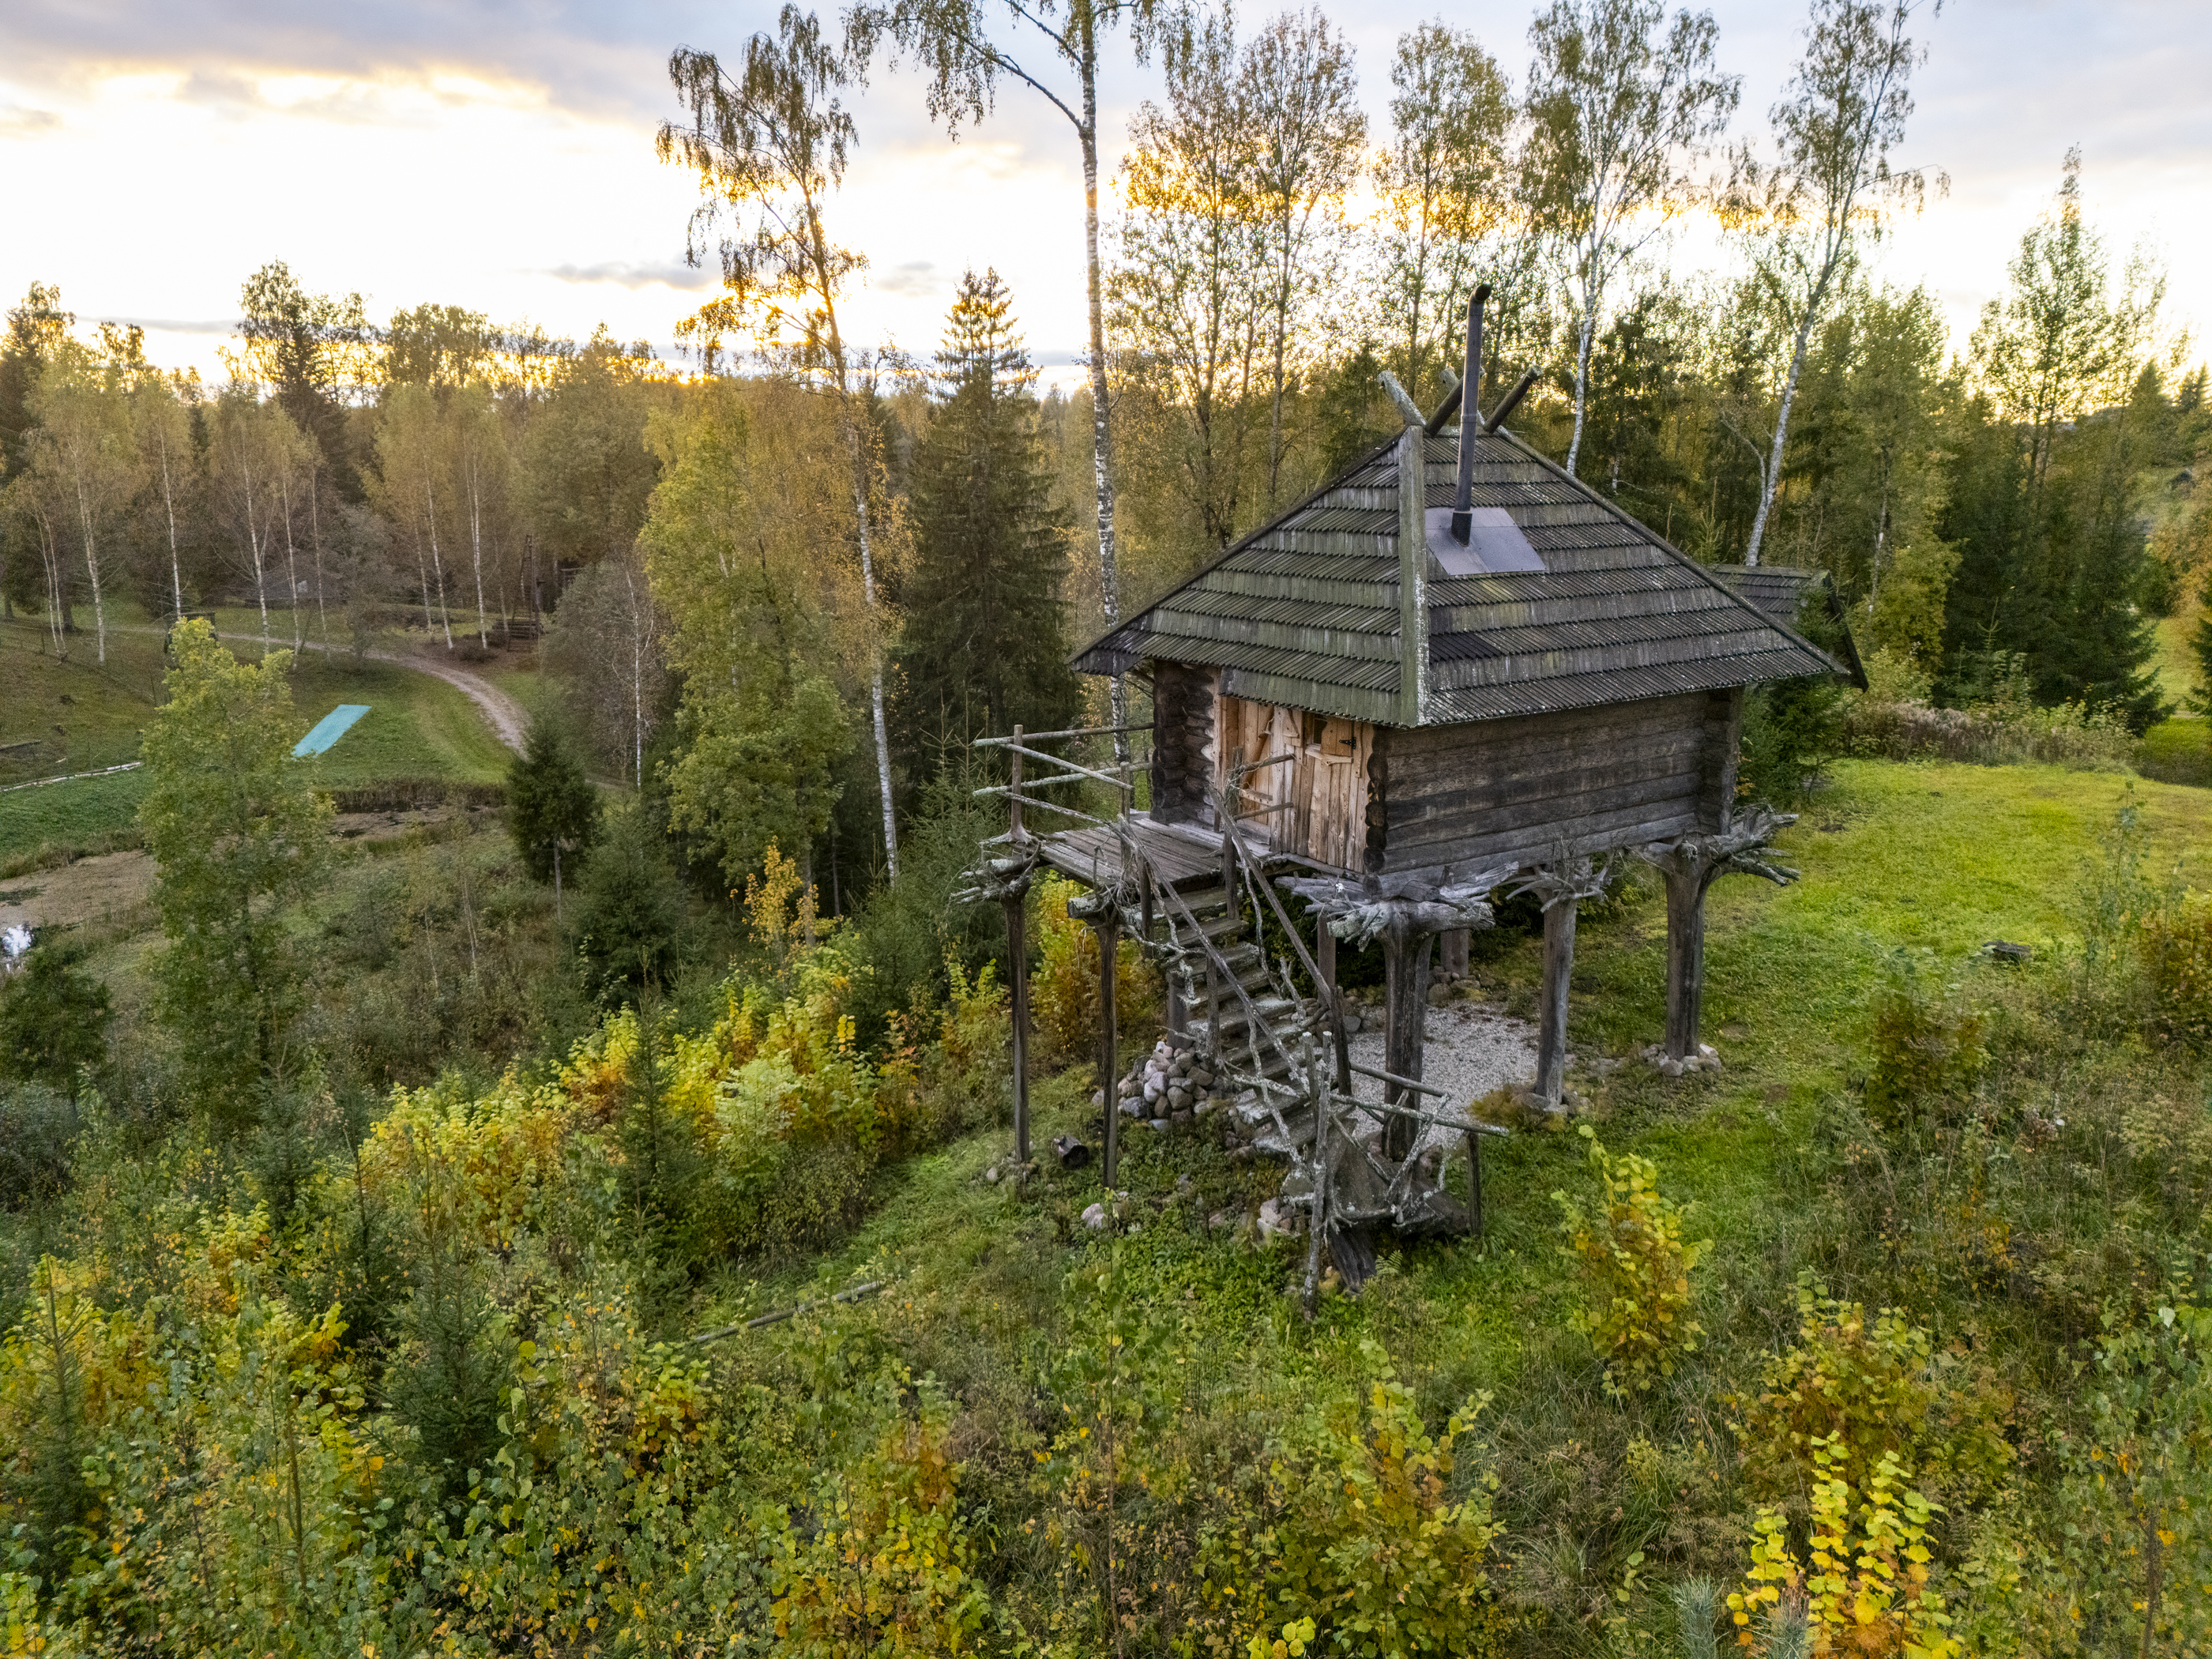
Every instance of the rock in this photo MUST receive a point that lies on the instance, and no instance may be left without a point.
(1182, 1117)
(1278, 1221)
(1201, 1079)
(1179, 1099)
(2004, 951)
(1073, 1154)
(1159, 1126)
(1095, 1217)
(1439, 995)
(1153, 1089)
(1672, 1067)
(1220, 1218)
(1098, 1098)
(1353, 1025)
(991, 1174)
(1133, 1109)
(1130, 1087)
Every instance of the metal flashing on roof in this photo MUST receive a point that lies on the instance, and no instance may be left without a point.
(1494, 546)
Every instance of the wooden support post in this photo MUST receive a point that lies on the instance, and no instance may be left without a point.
(1406, 956)
(1454, 951)
(1474, 1179)
(1685, 959)
(1325, 956)
(1552, 1025)
(1107, 928)
(1017, 969)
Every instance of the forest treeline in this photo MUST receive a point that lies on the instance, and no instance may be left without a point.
(916, 542)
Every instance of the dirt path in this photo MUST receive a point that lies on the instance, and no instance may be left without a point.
(506, 717)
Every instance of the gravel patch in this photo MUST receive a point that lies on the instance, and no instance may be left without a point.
(1471, 1049)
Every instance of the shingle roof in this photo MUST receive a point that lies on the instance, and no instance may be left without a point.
(1304, 612)
(1783, 592)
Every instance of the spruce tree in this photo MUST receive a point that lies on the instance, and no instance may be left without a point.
(552, 810)
(985, 644)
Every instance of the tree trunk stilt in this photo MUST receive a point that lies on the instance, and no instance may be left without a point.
(1018, 994)
(1405, 1030)
(1552, 1025)
(1107, 928)
(1685, 960)
(1454, 951)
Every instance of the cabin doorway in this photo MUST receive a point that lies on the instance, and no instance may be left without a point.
(1296, 781)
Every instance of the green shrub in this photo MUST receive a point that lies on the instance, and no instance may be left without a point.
(1866, 1390)
(1370, 1554)
(2176, 946)
(885, 1566)
(1635, 1267)
(1928, 1055)
(53, 1020)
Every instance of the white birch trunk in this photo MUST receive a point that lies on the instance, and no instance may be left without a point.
(1102, 431)
(437, 564)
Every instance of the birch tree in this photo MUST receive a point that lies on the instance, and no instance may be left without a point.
(81, 451)
(161, 424)
(1446, 184)
(1301, 86)
(480, 472)
(1189, 296)
(1621, 104)
(412, 478)
(1829, 184)
(255, 447)
(769, 145)
(1052, 48)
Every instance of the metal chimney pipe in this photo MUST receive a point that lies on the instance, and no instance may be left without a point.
(1470, 421)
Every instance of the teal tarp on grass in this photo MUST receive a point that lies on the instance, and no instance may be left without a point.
(332, 726)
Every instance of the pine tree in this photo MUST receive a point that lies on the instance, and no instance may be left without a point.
(985, 644)
(552, 811)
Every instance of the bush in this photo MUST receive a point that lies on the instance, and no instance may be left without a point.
(1636, 1270)
(2176, 947)
(886, 1569)
(53, 1020)
(1370, 1555)
(1864, 1390)
(37, 1124)
(1927, 1053)
(1063, 994)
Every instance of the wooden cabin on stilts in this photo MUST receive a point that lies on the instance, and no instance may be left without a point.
(1452, 670)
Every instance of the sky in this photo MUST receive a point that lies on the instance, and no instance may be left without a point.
(498, 154)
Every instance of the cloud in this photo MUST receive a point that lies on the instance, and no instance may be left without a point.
(17, 122)
(916, 279)
(588, 56)
(216, 326)
(673, 275)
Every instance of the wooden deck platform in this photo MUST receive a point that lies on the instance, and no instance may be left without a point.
(1183, 854)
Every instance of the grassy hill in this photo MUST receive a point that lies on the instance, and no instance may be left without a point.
(60, 718)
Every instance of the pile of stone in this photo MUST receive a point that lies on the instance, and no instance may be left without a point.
(1707, 1059)
(1169, 1087)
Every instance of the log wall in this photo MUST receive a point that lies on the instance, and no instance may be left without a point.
(1183, 741)
(1496, 794)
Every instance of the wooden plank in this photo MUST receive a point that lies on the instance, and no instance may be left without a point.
(1481, 784)
(1663, 776)
(1658, 796)
(1537, 843)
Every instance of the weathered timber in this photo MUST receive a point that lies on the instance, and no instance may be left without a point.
(1690, 866)
(1406, 962)
(1453, 951)
(1561, 885)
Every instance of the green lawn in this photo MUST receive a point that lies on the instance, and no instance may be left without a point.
(80, 715)
(2175, 664)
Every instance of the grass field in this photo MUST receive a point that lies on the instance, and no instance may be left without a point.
(60, 718)
(1936, 858)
